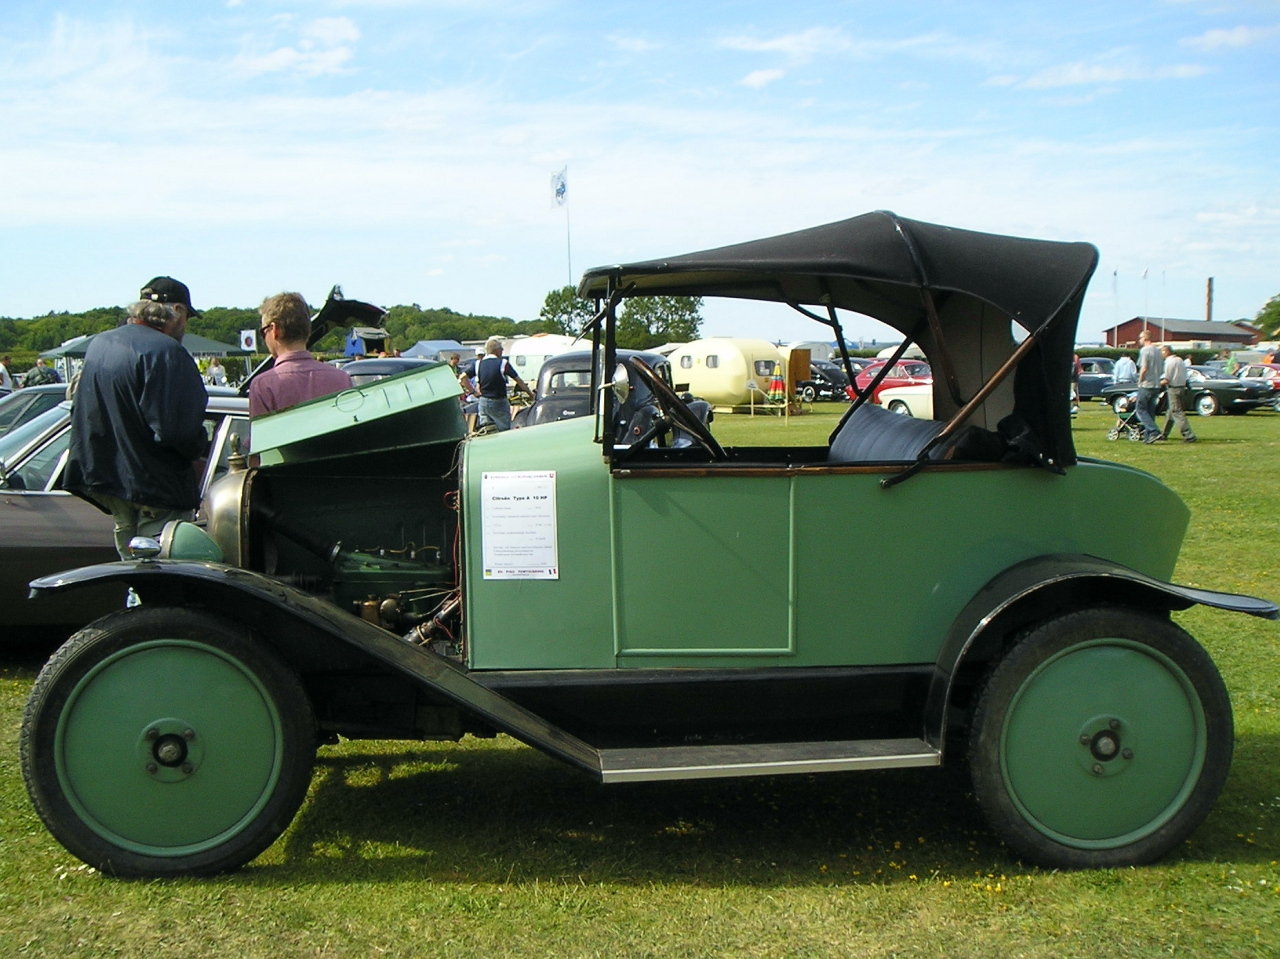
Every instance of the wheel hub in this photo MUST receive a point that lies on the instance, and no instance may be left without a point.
(1102, 741)
(170, 750)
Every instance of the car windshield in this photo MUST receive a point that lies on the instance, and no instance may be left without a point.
(26, 404)
(13, 443)
(567, 381)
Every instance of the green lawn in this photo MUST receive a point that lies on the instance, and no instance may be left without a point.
(488, 849)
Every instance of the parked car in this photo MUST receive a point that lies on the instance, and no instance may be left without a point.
(564, 391)
(826, 382)
(47, 529)
(1096, 374)
(376, 368)
(914, 401)
(1268, 373)
(902, 373)
(649, 611)
(1208, 396)
(26, 404)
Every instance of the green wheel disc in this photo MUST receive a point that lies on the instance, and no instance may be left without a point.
(1103, 744)
(168, 748)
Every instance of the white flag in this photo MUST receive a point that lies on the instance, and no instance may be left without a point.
(249, 340)
(560, 187)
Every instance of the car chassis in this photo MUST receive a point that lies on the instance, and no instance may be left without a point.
(639, 608)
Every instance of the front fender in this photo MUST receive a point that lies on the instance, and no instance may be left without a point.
(1033, 589)
(296, 623)
(158, 577)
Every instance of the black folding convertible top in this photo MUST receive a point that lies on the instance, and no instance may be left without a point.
(900, 271)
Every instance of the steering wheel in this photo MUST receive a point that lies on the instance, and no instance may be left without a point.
(675, 410)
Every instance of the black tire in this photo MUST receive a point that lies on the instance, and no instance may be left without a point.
(162, 741)
(900, 407)
(1101, 740)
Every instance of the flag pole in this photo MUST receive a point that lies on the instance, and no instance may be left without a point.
(568, 243)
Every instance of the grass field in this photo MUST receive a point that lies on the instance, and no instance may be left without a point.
(488, 849)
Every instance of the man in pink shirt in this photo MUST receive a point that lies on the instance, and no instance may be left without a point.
(296, 376)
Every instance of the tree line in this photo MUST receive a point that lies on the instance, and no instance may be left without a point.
(644, 323)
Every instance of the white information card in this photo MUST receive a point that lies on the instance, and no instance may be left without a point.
(518, 513)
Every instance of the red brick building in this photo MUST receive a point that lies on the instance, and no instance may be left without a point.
(1205, 334)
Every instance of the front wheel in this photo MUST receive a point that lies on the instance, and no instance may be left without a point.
(162, 741)
(1207, 404)
(1101, 740)
(898, 406)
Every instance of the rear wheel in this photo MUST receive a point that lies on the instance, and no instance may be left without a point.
(898, 406)
(162, 741)
(1101, 740)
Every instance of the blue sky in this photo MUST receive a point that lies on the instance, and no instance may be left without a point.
(404, 148)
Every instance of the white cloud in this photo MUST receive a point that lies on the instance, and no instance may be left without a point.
(1231, 39)
(809, 45)
(324, 46)
(758, 79)
(633, 44)
(798, 46)
(331, 31)
(1088, 74)
(309, 62)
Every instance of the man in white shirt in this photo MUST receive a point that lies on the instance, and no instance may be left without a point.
(1126, 370)
(1174, 381)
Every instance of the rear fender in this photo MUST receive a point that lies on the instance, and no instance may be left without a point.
(1034, 590)
(312, 634)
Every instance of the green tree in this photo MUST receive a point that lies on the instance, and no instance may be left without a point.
(1268, 318)
(649, 321)
(563, 311)
(224, 323)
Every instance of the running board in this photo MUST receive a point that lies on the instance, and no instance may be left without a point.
(766, 759)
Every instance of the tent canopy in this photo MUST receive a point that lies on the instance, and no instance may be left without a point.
(195, 345)
(431, 349)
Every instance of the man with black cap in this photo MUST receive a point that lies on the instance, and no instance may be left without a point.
(137, 422)
(165, 289)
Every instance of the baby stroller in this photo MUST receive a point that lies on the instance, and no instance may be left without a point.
(1127, 424)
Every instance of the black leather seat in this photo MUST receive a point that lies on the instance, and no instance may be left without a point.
(871, 434)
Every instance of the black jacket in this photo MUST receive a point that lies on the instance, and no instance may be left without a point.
(137, 420)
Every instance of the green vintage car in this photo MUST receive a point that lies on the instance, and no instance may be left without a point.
(641, 609)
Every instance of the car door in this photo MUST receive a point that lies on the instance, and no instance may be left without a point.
(45, 530)
(704, 566)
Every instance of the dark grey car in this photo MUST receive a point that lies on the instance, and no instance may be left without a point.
(1097, 373)
(27, 403)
